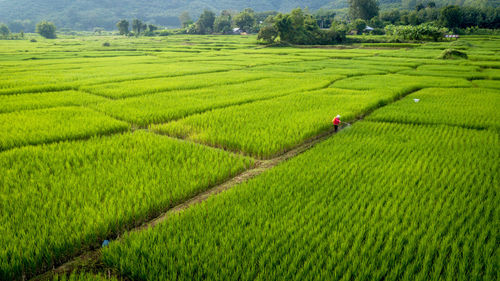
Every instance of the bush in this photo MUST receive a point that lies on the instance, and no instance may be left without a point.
(106, 44)
(450, 54)
(33, 40)
(421, 32)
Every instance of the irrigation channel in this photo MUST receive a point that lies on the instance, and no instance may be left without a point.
(91, 260)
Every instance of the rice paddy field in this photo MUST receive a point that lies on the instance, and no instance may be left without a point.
(96, 142)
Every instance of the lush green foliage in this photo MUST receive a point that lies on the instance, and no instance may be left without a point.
(46, 29)
(363, 9)
(470, 108)
(377, 201)
(417, 33)
(54, 124)
(69, 196)
(300, 28)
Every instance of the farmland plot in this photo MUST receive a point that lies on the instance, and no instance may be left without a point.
(54, 124)
(377, 201)
(166, 106)
(273, 126)
(11, 103)
(399, 84)
(151, 86)
(88, 191)
(468, 107)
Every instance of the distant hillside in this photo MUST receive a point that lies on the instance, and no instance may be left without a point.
(87, 14)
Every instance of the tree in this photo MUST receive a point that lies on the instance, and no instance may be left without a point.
(363, 9)
(46, 29)
(245, 20)
(359, 25)
(324, 17)
(4, 30)
(205, 24)
(152, 28)
(138, 26)
(123, 27)
(391, 16)
(451, 16)
(185, 19)
(268, 34)
(222, 23)
(98, 30)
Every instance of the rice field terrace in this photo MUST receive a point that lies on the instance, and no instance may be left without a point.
(97, 141)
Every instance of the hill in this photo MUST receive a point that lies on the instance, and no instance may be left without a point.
(88, 14)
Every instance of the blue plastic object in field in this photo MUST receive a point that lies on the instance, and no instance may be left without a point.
(105, 243)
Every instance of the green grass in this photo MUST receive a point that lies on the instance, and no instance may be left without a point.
(377, 201)
(54, 124)
(467, 107)
(69, 196)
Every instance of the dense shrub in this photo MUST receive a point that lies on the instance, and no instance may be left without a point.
(420, 32)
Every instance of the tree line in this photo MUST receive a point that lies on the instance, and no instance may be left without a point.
(44, 28)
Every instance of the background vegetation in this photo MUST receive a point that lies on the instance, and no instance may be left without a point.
(89, 14)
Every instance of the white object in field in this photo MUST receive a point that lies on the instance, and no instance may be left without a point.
(416, 100)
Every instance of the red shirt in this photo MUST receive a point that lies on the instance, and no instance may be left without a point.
(336, 121)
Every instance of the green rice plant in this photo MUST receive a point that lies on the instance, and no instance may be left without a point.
(376, 201)
(60, 199)
(392, 61)
(54, 124)
(399, 84)
(391, 45)
(437, 73)
(449, 67)
(493, 74)
(493, 84)
(83, 277)
(167, 106)
(467, 107)
(414, 53)
(151, 86)
(269, 127)
(12, 103)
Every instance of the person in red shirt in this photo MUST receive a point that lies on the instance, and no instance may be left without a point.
(336, 122)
